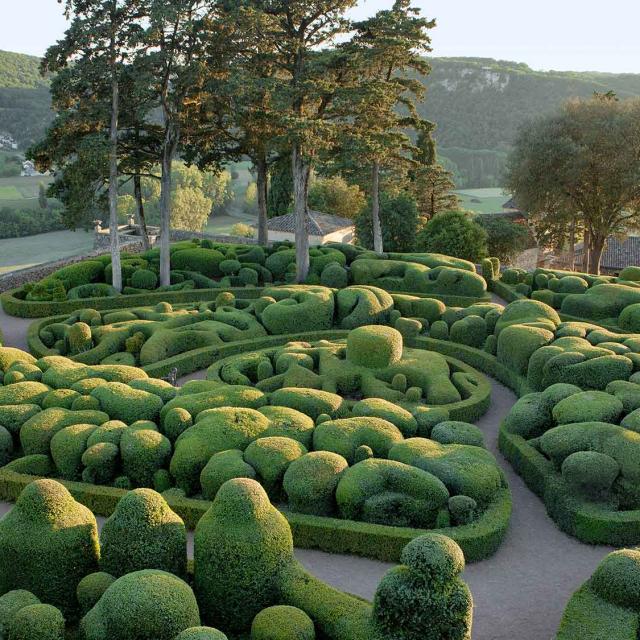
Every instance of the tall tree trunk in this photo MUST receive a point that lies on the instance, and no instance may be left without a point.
(300, 171)
(586, 251)
(168, 152)
(142, 222)
(261, 184)
(597, 247)
(572, 245)
(114, 238)
(375, 207)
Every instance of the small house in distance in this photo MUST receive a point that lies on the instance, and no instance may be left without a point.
(322, 228)
(618, 254)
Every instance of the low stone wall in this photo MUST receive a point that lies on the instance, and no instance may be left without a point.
(131, 244)
(14, 279)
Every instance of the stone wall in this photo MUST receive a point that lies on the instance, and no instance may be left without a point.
(14, 279)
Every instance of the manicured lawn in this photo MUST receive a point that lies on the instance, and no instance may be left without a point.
(482, 200)
(19, 253)
(9, 192)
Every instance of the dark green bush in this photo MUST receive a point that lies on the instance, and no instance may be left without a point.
(91, 588)
(424, 598)
(590, 473)
(143, 533)
(37, 622)
(241, 545)
(48, 543)
(10, 603)
(389, 492)
(617, 578)
(311, 480)
(375, 347)
(456, 432)
(143, 605)
(144, 279)
(204, 261)
(221, 467)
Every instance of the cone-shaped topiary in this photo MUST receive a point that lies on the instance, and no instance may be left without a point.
(241, 544)
(143, 533)
(48, 543)
(144, 605)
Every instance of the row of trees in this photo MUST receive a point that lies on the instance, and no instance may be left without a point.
(291, 84)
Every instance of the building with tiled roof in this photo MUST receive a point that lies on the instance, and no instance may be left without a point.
(617, 255)
(321, 227)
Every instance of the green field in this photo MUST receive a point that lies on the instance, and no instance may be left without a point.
(9, 192)
(21, 192)
(482, 200)
(19, 253)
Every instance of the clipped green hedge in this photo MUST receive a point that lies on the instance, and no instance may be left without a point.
(479, 540)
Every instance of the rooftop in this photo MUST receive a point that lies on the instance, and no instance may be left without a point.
(618, 254)
(318, 223)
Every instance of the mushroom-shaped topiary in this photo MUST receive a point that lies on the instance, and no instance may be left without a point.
(143, 533)
(37, 622)
(374, 347)
(240, 545)
(48, 543)
(424, 598)
(282, 622)
(141, 606)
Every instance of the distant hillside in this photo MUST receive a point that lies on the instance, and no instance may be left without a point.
(25, 107)
(477, 103)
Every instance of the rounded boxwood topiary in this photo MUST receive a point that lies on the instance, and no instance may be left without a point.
(10, 603)
(144, 279)
(6, 446)
(310, 482)
(379, 408)
(140, 606)
(91, 588)
(48, 543)
(79, 338)
(101, 463)
(462, 509)
(456, 432)
(334, 276)
(282, 622)
(375, 347)
(37, 622)
(425, 596)
(270, 457)
(249, 276)
(588, 406)
(176, 421)
(390, 492)
(617, 578)
(221, 467)
(590, 473)
(143, 452)
(230, 267)
(201, 633)
(240, 545)
(143, 533)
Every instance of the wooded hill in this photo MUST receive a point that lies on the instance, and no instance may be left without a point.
(477, 103)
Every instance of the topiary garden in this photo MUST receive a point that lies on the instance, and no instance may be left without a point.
(348, 403)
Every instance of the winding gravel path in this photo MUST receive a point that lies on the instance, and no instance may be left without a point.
(519, 593)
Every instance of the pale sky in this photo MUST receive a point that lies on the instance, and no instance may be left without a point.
(577, 35)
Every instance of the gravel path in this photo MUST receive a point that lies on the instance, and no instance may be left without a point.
(519, 593)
